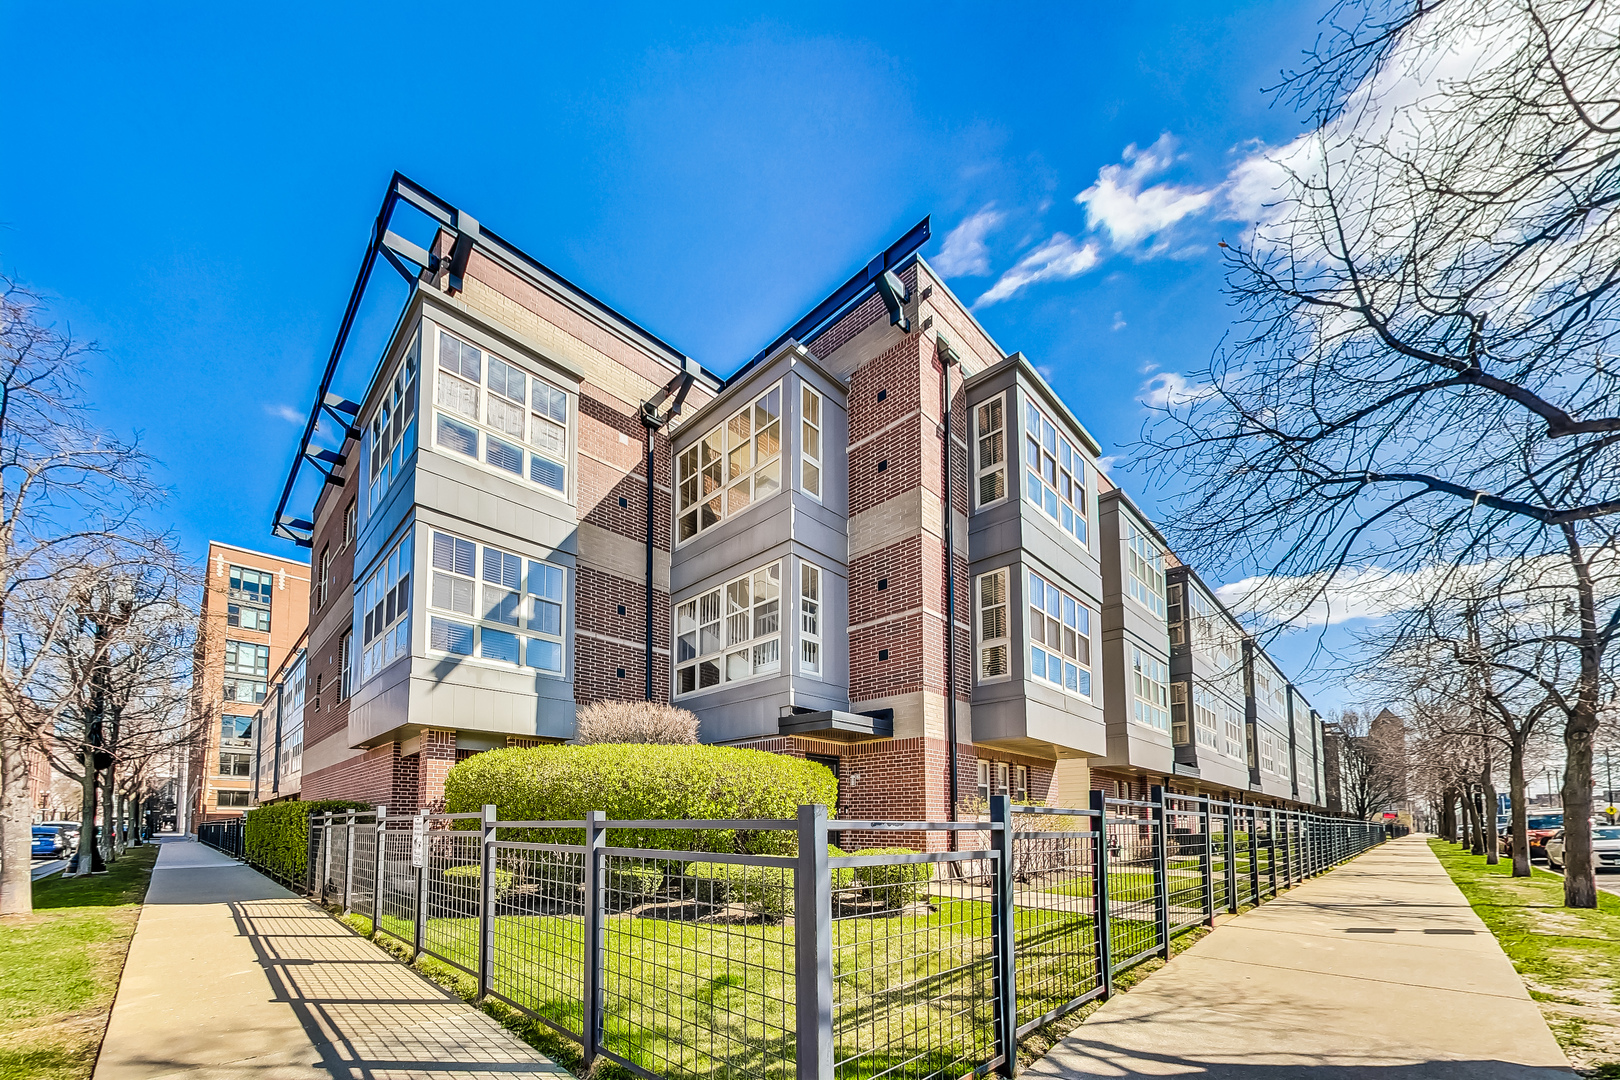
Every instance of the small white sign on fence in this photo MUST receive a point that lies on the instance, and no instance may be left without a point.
(418, 838)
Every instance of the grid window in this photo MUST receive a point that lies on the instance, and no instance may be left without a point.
(995, 640)
(1146, 569)
(992, 456)
(234, 730)
(1149, 690)
(392, 431)
(809, 619)
(1206, 718)
(1060, 637)
(235, 765)
(735, 464)
(487, 590)
(1232, 729)
(248, 617)
(386, 603)
(492, 411)
(247, 672)
(984, 781)
(730, 633)
(232, 799)
(1020, 791)
(810, 441)
(1054, 473)
(547, 599)
(345, 659)
(251, 585)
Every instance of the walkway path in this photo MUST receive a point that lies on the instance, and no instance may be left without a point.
(230, 976)
(1377, 971)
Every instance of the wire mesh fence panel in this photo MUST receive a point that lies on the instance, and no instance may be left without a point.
(313, 881)
(1054, 920)
(364, 863)
(1266, 864)
(335, 859)
(914, 959)
(698, 963)
(397, 907)
(1131, 886)
(537, 937)
(452, 867)
(1186, 848)
(1243, 855)
(1218, 865)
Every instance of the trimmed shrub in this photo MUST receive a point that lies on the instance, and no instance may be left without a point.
(894, 885)
(472, 872)
(630, 885)
(766, 891)
(638, 782)
(276, 837)
(635, 722)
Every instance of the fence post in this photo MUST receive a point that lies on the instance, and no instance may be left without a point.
(1253, 814)
(1002, 924)
(1099, 894)
(1161, 868)
(1231, 859)
(420, 831)
(379, 865)
(1271, 842)
(812, 948)
(595, 938)
(1209, 865)
(326, 856)
(348, 862)
(486, 903)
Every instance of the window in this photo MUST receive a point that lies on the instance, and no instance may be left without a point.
(351, 519)
(730, 633)
(228, 799)
(1233, 731)
(385, 600)
(1146, 565)
(1003, 773)
(251, 585)
(247, 671)
(1054, 473)
(326, 572)
(1180, 730)
(809, 619)
(810, 441)
(992, 456)
(1206, 718)
(345, 653)
(1149, 690)
(487, 589)
(1060, 637)
(1268, 751)
(392, 430)
(1020, 791)
(235, 729)
(995, 642)
(735, 464)
(235, 765)
(984, 781)
(1175, 614)
(517, 418)
(248, 617)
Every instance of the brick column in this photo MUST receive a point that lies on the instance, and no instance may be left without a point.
(434, 760)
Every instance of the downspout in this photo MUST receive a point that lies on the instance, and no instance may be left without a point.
(947, 359)
(652, 422)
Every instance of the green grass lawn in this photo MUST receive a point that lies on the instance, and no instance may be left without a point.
(59, 969)
(1569, 959)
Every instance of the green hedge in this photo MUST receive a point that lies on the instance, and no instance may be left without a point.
(764, 890)
(472, 872)
(894, 885)
(632, 781)
(276, 837)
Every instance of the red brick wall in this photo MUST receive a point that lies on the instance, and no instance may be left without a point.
(434, 761)
(605, 641)
(369, 777)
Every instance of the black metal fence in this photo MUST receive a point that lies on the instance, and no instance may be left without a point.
(752, 949)
(223, 836)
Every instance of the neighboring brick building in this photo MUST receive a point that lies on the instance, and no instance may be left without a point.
(484, 539)
(253, 616)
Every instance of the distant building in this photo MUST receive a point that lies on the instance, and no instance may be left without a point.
(254, 610)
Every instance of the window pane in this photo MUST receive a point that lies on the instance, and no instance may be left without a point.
(545, 655)
(500, 605)
(550, 437)
(457, 395)
(498, 645)
(450, 637)
(546, 472)
(503, 455)
(506, 418)
(546, 617)
(458, 437)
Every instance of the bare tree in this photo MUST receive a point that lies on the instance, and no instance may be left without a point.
(68, 496)
(1423, 379)
(636, 722)
(1370, 764)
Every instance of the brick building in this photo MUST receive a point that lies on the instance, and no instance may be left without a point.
(535, 504)
(252, 619)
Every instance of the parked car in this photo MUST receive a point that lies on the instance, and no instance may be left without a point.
(1541, 828)
(1605, 848)
(70, 832)
(49, 843)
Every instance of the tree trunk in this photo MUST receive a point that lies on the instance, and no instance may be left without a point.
(1580, 880)
(87, 817)
(1487, 784)
(16, 832)
(1476, 836)
(109, 827)
(1518, 812)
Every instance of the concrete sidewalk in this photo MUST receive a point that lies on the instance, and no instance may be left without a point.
(231, 976)
(1377, 971)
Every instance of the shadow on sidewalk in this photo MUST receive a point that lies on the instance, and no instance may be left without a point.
(1093, 1058)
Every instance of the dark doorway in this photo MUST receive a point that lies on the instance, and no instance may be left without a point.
(831, 762)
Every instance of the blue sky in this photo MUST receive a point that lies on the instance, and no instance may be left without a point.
(193, 186)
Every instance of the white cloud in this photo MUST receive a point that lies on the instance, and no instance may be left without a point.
(1168, 389)
(1119, 203)
(1119, 321)
(964, 253)
(1107, 464)
(1058, 259)
(287, 413)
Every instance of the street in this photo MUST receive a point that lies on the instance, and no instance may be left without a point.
(48, 867)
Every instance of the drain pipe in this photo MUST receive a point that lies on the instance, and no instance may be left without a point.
(948, 359)
(653, 420)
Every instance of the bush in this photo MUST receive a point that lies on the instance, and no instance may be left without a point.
(638, 782)
(629, 885)
(766, 891)
(472, 872)
(894, 885)
(635, 722)
(276, 837)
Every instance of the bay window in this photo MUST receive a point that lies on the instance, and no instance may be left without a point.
(392, 431)
(1060, 637)
(810, 441)
(995, 641)
(1149, 690)
(247, 672)
(809, 619)
(492, 411)
(730, 633)
(991, 459)
(736, 463)
(385, 600)
(1054, 473)
(484, 603)
(1145, 565)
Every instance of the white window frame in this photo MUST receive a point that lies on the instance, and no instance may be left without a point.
(345, 664)
(1180, 721)
(696, 491)
(1051, 463)
(501, 602)
(255, 675)
(351, 521)
(1080, 627)
(990, 449)
(983, 624)
(1020, 789)
(391, 431)
(547, 439)
(696, 653)
(1144, 568)
(1003, 778)
(1206, 721)
(384, 609)
(1232, 730)
(984, 781)
(326, 572)
(1150, 694)
(812, 449)
(812, 601)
